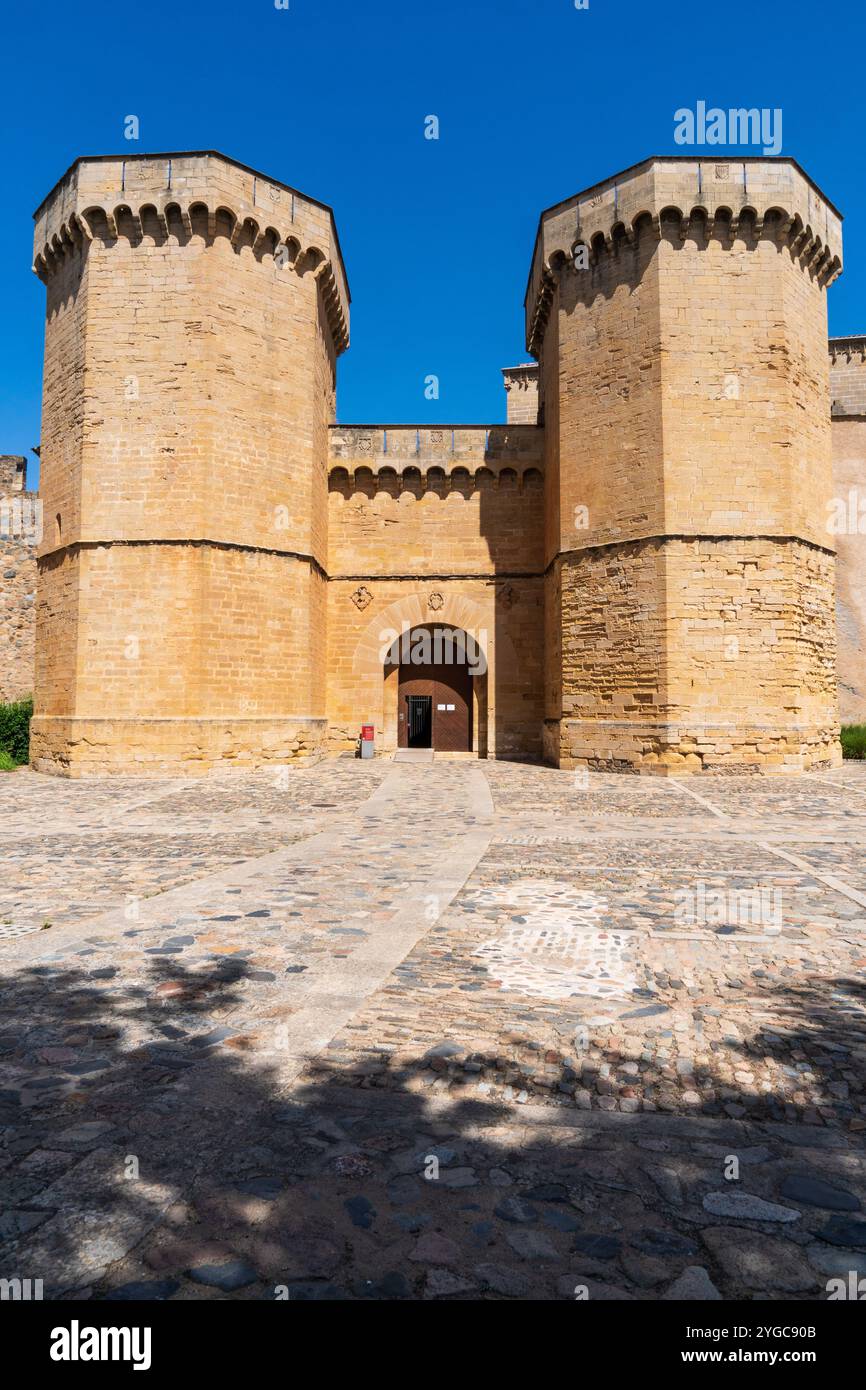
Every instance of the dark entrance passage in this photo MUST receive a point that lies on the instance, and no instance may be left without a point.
(435, 704)
(419, 721)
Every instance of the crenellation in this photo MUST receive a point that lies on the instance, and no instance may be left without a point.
(848, 377)
(154, 199)
(521, 386)
(408, 457)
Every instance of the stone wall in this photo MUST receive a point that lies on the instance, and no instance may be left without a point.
(848, 519)
(19, 527)
(628, 610)
(692, 430)
(848, 376)
(521, 386)
(437, 526)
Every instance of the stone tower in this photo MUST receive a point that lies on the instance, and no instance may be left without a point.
(195, 313)
(678, 312)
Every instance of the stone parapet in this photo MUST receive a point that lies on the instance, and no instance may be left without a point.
(408, 456)
(848, 377)
(161, 196)
(726, 201)
(521, 386)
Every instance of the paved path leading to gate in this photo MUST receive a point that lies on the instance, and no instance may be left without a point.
(453, 1030)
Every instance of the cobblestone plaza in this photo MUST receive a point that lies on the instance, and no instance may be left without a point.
(268, 1036)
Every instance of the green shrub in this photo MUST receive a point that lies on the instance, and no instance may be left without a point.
(15, 730)
(854, 740)
(7, 764)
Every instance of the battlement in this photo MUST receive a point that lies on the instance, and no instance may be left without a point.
(13, 474)
(729, 202)
(410, 457)
(151, 199)
(521, 386)
(848, 377)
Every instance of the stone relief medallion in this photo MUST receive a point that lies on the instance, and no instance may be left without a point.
(552, 943)
(508, 598)
(274, 192)
(723, 172)
(365, 445)
(362, 598)
(435, 601)
(437, 437)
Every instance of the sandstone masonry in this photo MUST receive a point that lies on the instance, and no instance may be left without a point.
(19, 523)
(679, 314)
(641, 551)
(848, 395)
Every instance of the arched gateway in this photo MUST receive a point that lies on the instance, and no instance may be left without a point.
(440, 686)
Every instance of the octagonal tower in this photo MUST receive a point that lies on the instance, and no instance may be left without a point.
(679, 315)
(195, 313)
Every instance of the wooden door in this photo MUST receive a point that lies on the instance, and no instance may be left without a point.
(452, 709)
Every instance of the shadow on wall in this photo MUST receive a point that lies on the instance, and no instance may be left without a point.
(512, 523)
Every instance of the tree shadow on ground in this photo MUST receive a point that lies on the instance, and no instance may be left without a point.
(149, 1154)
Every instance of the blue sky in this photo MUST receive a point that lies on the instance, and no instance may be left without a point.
(535, 99)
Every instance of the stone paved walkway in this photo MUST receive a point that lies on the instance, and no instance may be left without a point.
(456, 1029)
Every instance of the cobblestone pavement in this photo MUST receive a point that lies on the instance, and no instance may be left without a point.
(75, 849)
(455, 1030)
